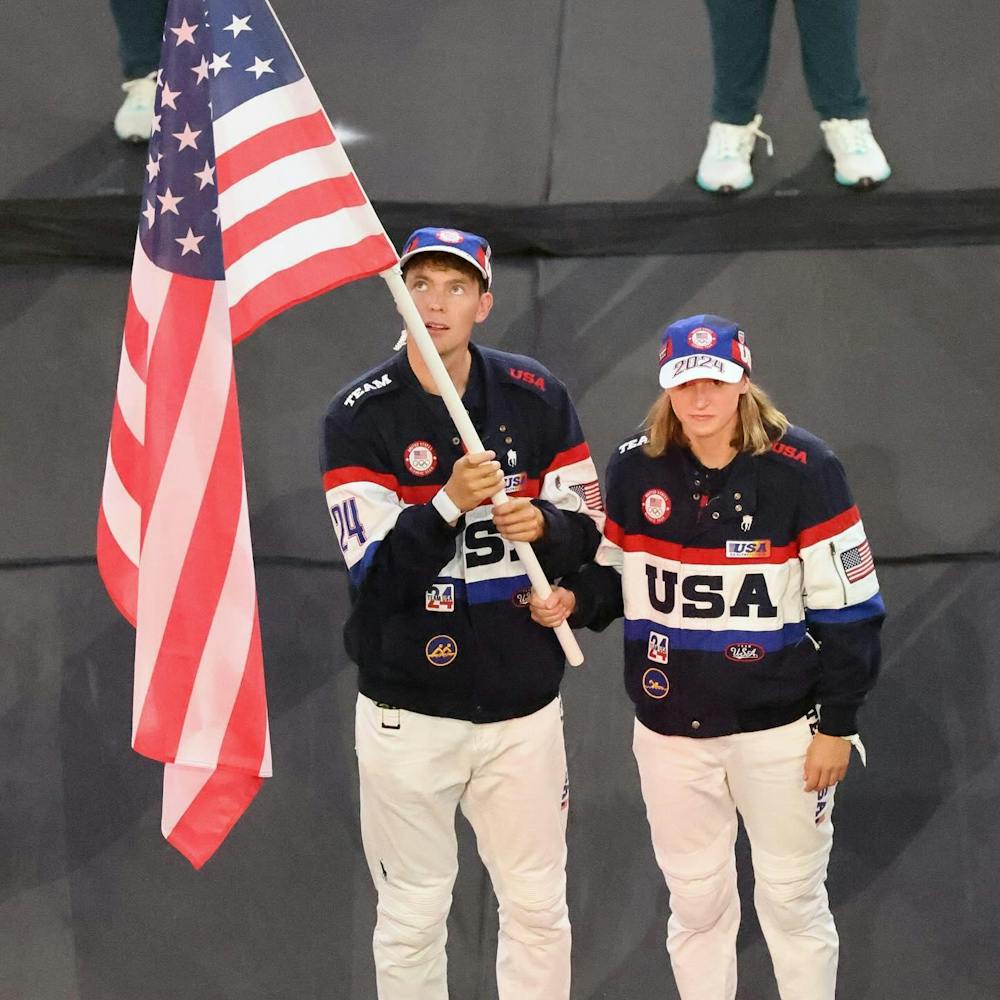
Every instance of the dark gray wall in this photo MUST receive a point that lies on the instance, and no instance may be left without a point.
(888, 354)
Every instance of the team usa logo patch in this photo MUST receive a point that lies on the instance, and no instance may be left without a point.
(440, 597)
(521, 598)
(757, 549)
(702, 338)
(448, 236)
(744, 652)
(655, 683)
(658, 648)
(441, 650)
(514, 482)
(656, 506)
(420, 458)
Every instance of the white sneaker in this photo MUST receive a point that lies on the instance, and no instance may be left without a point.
(134, 121)
(725, 165)
(858, 160)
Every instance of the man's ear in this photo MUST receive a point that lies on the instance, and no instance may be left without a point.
(485, 305)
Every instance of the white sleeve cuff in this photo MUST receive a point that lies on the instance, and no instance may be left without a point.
(445, 506)
(855, 742)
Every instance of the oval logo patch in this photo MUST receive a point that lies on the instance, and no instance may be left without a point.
(744, 652)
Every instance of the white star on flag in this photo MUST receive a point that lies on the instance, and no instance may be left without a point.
(219, 62)
(169, 202)
(153, 166)
(239, 24)
(187, 137)
(185, 33)
(156, 122)
(168, 97)
(150, 213)
(206, 176)
(260, 66)
(189, 243)
(201, 70)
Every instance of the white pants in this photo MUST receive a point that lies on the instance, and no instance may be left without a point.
(693, 789)
(510, 779)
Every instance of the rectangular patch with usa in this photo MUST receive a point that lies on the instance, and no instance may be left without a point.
(749, 549)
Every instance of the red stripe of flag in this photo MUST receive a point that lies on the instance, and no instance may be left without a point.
(272, 144)
(310, 202)
(313, 276)
(227, 793)
(243, 744)
(183, 320)
(213, 813)
(136, 336)
(120, 574)
(196, 597)
(126, 454)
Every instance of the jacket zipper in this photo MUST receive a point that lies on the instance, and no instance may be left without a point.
(836, 569)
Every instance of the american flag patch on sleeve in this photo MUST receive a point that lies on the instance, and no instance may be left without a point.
(589, 493)
(857, 562)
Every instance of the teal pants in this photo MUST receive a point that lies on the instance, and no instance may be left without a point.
(140, 30)
(741, 42)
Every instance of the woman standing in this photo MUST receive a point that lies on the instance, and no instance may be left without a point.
(752, 615)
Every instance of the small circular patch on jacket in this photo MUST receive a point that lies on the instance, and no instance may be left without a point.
(655, 683)
(744, 652)
(521, 598)
(441, 650)
(656, 506)
(420, 458)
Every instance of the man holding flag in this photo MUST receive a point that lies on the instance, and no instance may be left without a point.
(458, 700)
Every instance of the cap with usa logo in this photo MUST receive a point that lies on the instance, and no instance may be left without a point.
(468, 246)
(703, 347)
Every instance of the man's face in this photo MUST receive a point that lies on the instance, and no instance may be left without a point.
(449, 302)
(707, 407)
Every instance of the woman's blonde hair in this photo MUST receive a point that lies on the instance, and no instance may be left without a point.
(759, 423)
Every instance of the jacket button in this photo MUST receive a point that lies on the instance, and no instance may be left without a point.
(456, 440)
(695, 496)
(508, 440)
(503, 428)
(737, 496)
(715, 515)
(696, 724)
(739, 506)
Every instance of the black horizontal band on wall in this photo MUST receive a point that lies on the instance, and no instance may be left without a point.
(101, 230)
(301, 562)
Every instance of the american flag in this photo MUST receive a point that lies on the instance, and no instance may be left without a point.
(857, 562)
(250, 206)
(590, 494)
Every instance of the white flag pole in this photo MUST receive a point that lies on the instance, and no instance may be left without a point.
(470, 438)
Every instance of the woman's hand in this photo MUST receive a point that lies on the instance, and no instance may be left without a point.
(554, 609)
(826, 761)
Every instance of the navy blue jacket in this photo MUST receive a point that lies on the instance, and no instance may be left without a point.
(749, 593)
(439, 621)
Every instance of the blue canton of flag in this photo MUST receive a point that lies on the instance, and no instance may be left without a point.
(215, 58)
